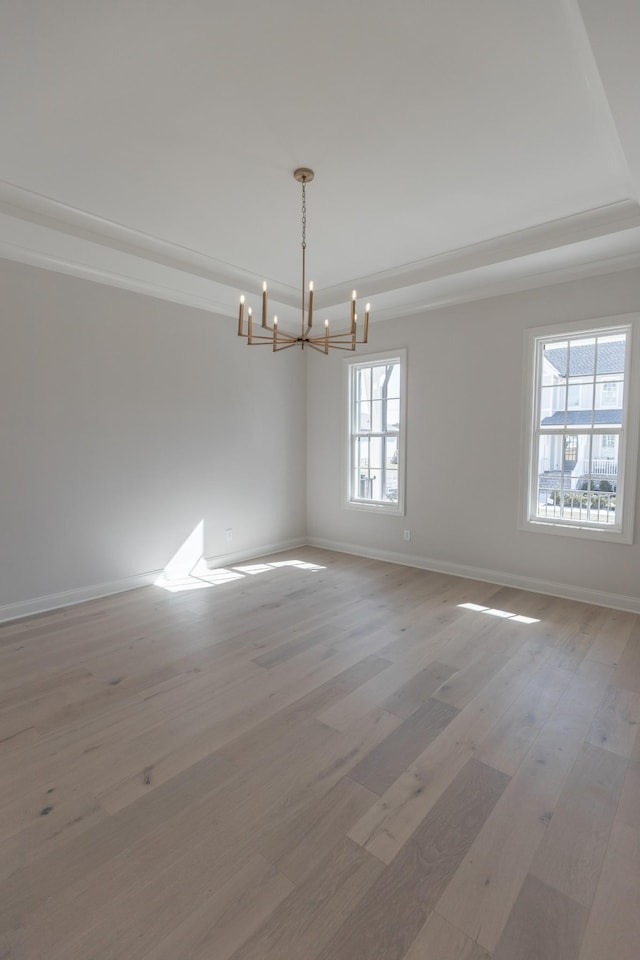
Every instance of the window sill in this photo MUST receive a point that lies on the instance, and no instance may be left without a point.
(382, 509)
(602, 534)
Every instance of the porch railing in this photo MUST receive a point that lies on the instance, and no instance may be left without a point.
(591, 506)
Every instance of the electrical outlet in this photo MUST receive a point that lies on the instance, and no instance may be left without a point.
(407, 535)
(228, 534)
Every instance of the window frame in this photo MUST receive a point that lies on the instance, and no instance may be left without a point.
(622, 530)
(351, 366)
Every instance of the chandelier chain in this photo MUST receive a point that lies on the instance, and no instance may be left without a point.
(304, 246)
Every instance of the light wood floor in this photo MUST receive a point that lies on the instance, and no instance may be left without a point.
(325, 758)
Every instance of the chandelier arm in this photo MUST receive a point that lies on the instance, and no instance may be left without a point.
(256, 336)
(284, 335)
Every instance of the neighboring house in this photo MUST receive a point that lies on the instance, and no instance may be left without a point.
(583, 390)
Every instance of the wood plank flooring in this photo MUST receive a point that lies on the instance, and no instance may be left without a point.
(321, 757)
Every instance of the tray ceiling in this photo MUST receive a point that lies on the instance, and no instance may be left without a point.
(460, 148)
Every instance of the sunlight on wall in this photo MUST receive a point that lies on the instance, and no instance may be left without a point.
(188, 558)
(504, 614)
(201, 576)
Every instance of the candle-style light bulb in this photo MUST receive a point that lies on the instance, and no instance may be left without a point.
(326, 336)
(249, 325)
(241, 316)
(310, 320)
(353, 313)
(366, 322)
(275, 333)
(264, 303)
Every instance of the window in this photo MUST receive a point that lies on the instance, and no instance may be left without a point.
(609, 393)
(582, 426)
(376, 413)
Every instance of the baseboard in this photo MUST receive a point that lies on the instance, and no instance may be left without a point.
(565, 590)
(68, 598)
(27, 608)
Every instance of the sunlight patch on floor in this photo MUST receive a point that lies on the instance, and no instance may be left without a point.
(503, 614)
(201, 576)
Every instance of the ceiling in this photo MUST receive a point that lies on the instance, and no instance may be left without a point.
(461, 148)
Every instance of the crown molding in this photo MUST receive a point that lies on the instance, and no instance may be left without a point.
(529, 273)
(134, 284)
(35, 208)
(552, 235)
(46, 233)
(85, 271)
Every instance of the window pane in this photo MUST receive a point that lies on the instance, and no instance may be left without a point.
(610, 393)
(582, 356)
(391, 451)
(570, 451)
(362, 452)
(391, 486)
(362, 485)
(551, 406)
(393, 389)
(573, 395)
(611, 354)
(376, 410)
(379, 379)
(364, 417)
(554, 362)
(375, 453)
(550, 453)
(393, 415)
(363, 388)
(377, 485)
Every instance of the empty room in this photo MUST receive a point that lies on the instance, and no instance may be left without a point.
(327, 650)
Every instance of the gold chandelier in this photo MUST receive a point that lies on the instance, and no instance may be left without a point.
(280, 339)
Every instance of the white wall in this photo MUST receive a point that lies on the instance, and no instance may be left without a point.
(124, 421)
(465, 367)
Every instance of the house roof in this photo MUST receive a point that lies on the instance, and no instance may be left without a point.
(583, 417)
(582, 358)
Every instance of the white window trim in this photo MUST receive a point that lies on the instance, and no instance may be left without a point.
(382, 509)
(630, 429)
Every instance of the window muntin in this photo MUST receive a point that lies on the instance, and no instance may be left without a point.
(376, 428)
(578, 452)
